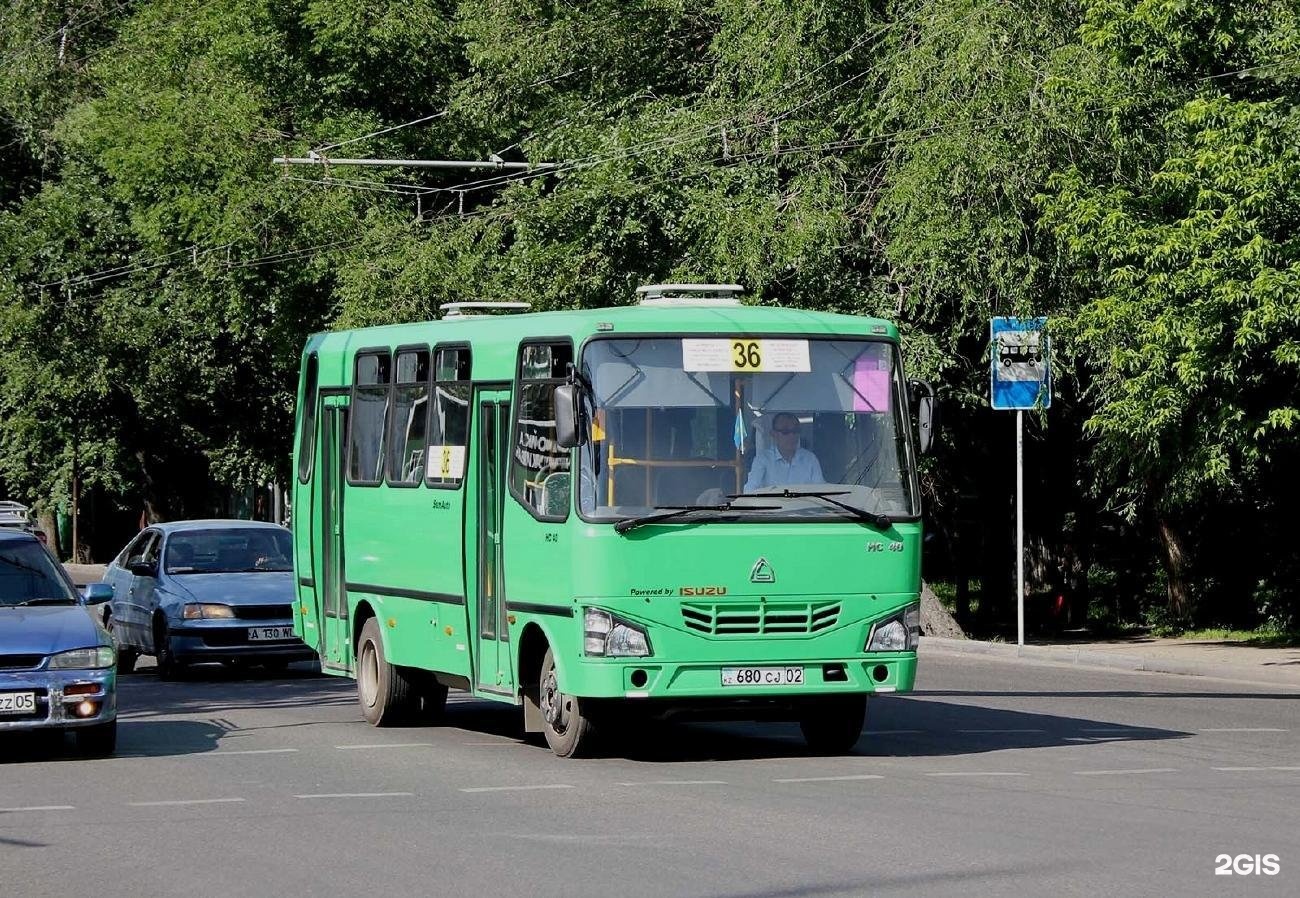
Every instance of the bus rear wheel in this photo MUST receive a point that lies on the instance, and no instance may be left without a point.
(568, 731)
(833, 726)
(386, 696)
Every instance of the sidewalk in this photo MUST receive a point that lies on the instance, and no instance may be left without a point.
(1222, 660)
(82, 574)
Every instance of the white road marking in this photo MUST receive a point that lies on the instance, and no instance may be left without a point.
(978, 773)
(1125, 772)
(830, 779)
(498, 742)
(247, 751)
(516, 788)
(384, 745)
(678, 783)
(358, 795)
(1243, 730)
(163, 804)
(46, 807)
(1241, 769)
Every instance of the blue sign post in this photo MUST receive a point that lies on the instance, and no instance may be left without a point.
(1020, 364)
(1019, 378)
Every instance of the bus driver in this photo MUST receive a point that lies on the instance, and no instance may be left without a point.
(784, 461)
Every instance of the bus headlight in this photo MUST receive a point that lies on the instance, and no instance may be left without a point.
(900, 633)
(604, 635)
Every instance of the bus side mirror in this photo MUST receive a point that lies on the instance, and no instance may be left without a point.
(567, 426)
(926, 415)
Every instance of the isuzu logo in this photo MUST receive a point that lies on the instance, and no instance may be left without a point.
(762, 572)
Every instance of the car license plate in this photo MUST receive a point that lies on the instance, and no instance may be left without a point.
(762, 676)
(17, 702)
(269, 634)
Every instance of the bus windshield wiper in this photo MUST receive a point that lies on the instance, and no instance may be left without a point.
(666, 512)
(880, 521)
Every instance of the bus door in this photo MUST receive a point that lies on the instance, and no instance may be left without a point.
(335, 648)
(485, 500)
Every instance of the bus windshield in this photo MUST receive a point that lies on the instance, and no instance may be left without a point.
(694, 421)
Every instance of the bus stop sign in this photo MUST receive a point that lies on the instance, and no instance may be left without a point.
(1020, 366)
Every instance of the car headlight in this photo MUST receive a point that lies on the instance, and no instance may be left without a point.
(605, 635)
(100, 656)
(204, 611)
(900, 633)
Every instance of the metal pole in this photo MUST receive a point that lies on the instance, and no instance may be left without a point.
(1020, 527)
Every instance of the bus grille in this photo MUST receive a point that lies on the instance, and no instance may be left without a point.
(760, 619)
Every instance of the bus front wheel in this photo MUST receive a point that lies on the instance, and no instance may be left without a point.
(834, 726)
(568, 731)
(386, 695)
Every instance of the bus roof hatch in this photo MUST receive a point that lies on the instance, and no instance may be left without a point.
(465, 309)
(690, 294)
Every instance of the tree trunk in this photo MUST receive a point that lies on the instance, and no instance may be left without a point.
(1174, 557)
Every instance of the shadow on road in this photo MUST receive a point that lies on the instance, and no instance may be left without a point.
(897, 726)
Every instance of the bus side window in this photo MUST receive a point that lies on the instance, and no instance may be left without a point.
(371, 398)
(410, 417)
(449, 422)
(307, 437)
(536, 462)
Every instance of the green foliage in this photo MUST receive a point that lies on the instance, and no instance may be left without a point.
(1127, 167)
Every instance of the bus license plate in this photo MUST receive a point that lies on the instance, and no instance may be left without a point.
(17, 702)
(762, 676)
(268, 634)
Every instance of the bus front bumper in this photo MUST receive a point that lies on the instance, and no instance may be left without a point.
(654, 678)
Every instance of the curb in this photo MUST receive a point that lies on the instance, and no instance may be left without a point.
(1109, 660)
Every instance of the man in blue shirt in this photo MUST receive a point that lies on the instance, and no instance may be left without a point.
(784, 462)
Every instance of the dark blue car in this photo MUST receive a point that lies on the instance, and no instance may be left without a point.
(193, 591)
(56, 660)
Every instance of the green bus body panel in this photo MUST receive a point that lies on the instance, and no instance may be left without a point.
(407, 559)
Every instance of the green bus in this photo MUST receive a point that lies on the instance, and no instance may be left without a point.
(687, 506)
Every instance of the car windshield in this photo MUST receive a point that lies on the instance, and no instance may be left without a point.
(678, 422)
(28, 576)
(232, 550)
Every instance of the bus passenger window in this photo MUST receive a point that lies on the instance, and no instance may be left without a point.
(449, 424)
(369, 416)
(410, 417)
(539, 470)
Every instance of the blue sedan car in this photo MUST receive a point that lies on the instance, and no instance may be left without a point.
(193, 591)
(56, 660)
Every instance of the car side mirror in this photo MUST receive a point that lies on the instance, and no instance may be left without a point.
(98, 593)
(140, 567)
(567, 427)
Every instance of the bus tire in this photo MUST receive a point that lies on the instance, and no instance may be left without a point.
(834, 726)
(568, 731)
(386, 696)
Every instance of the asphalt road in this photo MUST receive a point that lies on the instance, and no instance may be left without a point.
(996, 777)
